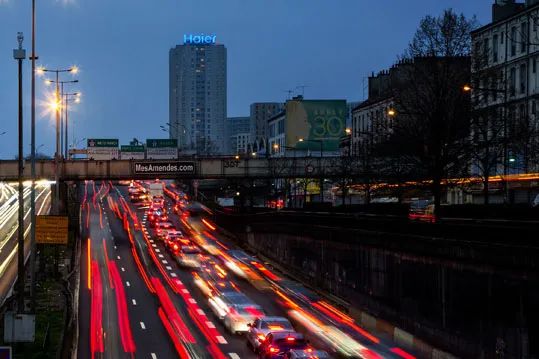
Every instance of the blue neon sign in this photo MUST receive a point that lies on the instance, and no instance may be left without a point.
(199, 39)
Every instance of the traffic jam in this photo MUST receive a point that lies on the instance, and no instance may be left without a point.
(302, 324)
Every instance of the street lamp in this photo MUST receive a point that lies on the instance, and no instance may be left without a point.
(63, 123)
(57, 155)
(321, 185)
(75, 97)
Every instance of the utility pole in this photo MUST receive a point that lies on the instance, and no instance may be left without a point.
(33, 57)
(19, 55)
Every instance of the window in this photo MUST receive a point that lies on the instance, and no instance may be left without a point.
(501, 37)
(533, 107)
(513, 41)
(522, 77)
(523, 36)
(512, 81)
(495, 48)
(534, 65)
(485, 49)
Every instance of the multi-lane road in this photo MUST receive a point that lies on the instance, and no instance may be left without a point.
(9, 207)
(136, 301)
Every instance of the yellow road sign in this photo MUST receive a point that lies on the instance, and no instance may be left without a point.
(51, 229)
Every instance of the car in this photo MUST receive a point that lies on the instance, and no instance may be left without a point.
(158, 201)
(157, 217)
(235, 309)
(161, 228)
(174, 241)
(308, 353)
(279, 344)
(188, 256)
(422, 210)
(261, 327)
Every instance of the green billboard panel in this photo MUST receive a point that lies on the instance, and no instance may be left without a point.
(315, 124)
(102, 142)
(162, 143)
(130, 148)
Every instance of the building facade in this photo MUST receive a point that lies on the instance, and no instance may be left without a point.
(261, 113)
(505, 88)
(238, 131)
(198, 97)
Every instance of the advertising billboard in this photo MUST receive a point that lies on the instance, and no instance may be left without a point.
(315, 124)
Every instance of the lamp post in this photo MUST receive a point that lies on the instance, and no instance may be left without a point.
(63, 123)
(75, 97)
(19, 54)
(57, 155)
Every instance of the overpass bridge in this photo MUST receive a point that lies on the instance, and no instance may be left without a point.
(193, 168)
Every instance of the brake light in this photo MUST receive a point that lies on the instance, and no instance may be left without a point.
(273, 350)
(275, 327)
(290, 339)
(175, 247)
(261, 337)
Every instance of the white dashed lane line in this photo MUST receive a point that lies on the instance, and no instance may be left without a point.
(142, 325)
(210, 325)
(134, 302)
(164, 261)
(161, 256)
(234, 356)
(118, 257)
(123, 269)
(128, 284)
(173, 274)
(169, 267)
(155, 356)
(157, 250)
(221, 340)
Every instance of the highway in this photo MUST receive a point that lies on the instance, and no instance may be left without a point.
(9, 207)
(137, 301)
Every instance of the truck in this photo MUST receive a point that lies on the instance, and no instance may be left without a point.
(156, 189)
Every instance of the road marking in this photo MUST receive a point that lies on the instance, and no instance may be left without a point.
(221, 340)
(169, 268)
(134, 302)
(123, 269)
(173, 274)
(154, 245)
(115, 247)
(127, 284)
(119, 257)
(142, 325)
(234, 356)
(164, 261)
(153, 356)
(151, 240)
(200, 311)
(157, 250)
(185, 291)
(210, 325)
(161, 256)
(192, 300)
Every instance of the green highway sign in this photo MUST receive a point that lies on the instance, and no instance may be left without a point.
(130, 148)
(162, 142)
(103, 142)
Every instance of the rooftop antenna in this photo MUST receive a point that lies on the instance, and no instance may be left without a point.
(289, 92)
(302, 87)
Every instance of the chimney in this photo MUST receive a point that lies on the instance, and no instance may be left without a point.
(502, 9)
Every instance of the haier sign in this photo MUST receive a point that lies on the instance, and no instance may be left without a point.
(199, 39)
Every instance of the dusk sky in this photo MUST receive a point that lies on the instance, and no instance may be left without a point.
(122, 48)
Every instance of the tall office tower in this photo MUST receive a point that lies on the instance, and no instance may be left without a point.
(197, 99)
(261, 112)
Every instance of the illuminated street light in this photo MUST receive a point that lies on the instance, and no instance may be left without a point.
(253, 154)
(467, 88)
(391, 112)
(275, 146)
(348, 131)
(237, 157)
(301, 139)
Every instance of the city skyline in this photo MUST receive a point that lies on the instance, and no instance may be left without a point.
(127, 96)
